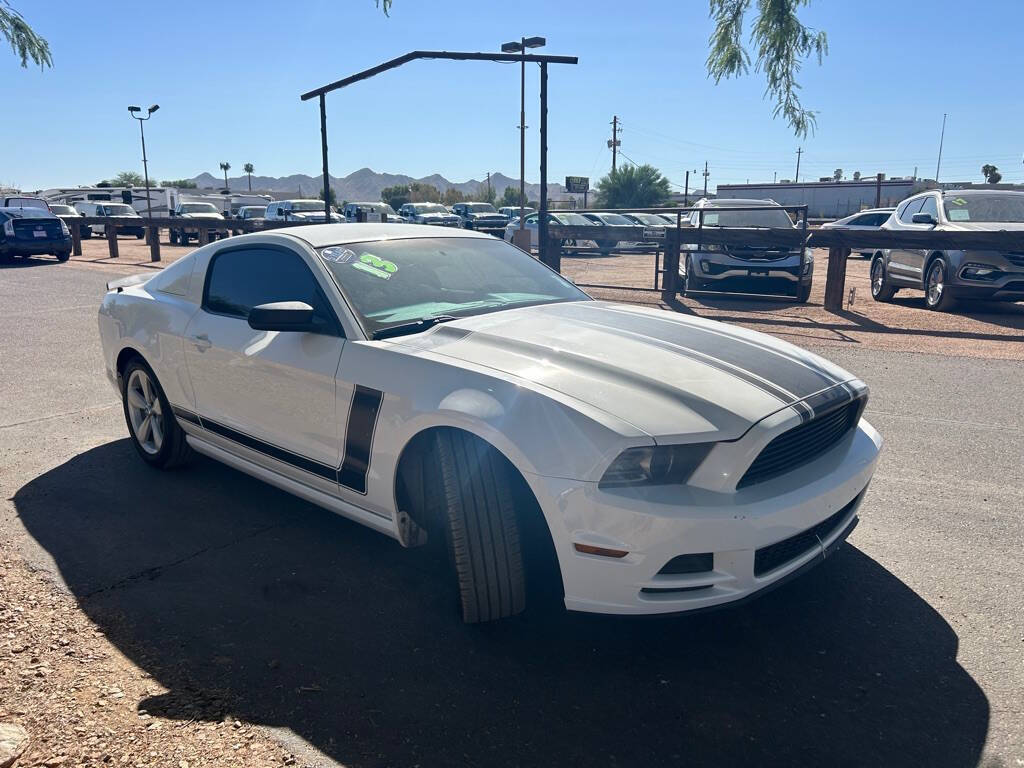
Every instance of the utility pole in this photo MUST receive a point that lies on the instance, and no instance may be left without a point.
(686, 190)
(942, 137)
(488, 186)
(799, 151)
(706, 174)
(614, 142)
(775, 177)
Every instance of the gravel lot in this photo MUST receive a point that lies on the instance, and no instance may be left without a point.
(203, 618)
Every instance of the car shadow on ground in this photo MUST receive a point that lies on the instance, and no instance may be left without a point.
(243, 600)
(21, 262)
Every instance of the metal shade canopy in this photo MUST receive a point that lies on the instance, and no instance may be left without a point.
(542, 59)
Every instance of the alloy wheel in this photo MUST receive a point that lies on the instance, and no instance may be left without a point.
(936, 283)
(145, 411)
(877, 277)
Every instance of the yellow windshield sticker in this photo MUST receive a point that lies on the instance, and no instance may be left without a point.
(959, 201)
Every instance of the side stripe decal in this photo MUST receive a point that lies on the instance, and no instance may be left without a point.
(362, 421)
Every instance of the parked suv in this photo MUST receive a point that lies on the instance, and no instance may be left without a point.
(114, 211)
(482, 217)
(768, 269)
(30, 231)
(429, 213)
(197, 210)
(305, 211)
(945, 276)
(351, 211)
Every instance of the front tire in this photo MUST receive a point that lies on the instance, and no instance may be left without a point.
(155, 433)
(481, 527)
(936, 292)
(803, 293)
(881, 288)
(63, 255)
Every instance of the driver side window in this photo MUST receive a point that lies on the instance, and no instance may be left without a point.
(241, 278)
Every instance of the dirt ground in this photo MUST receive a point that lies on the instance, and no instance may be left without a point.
(975, 329)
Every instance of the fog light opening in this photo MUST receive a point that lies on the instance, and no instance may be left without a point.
(588, 549)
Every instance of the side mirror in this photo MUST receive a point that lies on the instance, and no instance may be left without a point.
(295, 316)
(923, 218)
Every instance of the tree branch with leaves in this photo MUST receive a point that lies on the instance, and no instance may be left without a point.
(24, 42)
(783, 43)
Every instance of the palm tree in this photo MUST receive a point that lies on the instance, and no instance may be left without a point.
(225, 167)
(248, 172)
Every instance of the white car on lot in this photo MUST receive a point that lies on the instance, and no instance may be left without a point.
(870, 220)
(447, 389)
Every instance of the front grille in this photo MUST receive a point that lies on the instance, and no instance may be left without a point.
(1017, 259)
(760, 254)
(802, 444)
(775, 555)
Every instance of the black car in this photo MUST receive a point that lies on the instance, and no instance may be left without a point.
(32, 231)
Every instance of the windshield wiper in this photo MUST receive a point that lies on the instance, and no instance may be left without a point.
(414, 327)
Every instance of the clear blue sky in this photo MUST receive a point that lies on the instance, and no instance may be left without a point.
(228, 75)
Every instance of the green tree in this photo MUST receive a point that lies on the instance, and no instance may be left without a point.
(333, 196)
(248, 168)
(837, 174)
(632, 186)
(452, 196)
(225, 167)
(424, 193)
(991, 174)
(127, 179)
(24, 42)
(486, 193)
(511, 196)
(395, 196)
(783, 43)
(179, 183)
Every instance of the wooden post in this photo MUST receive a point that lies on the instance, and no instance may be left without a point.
(76, 238)
(153, 236)
(835, 279)
(112, 239)
(670, 277)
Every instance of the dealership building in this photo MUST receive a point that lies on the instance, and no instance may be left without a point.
(830, 199)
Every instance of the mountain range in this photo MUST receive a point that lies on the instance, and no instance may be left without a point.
(364, 184)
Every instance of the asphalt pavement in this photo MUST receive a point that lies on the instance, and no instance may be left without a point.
(906, 647)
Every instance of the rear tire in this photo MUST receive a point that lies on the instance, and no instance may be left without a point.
(481, 529)
(63, 255)
(155, 433)
(881, 288)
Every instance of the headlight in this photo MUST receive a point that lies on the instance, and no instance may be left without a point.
(705, 248)
(655, 465)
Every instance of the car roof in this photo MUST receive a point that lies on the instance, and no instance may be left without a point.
(976, 191)
(321, 235)
(729, 202)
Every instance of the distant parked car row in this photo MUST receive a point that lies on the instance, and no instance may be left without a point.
(28, 228)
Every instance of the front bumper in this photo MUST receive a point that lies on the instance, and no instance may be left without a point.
(1005, 283)
(756, 537)
(719, 271)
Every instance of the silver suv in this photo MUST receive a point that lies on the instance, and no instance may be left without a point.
(947, 275)
(768, 269)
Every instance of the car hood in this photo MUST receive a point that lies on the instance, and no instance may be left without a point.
(671, 376)
(436, 216)
(485, 215)
(201, 216)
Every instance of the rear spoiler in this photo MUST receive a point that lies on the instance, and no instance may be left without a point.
(127, 282)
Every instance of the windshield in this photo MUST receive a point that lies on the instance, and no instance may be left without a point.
(63, 210)
(26, 202)
(198, 208)
(572, 219)
(650, 219)
(307, 205)
(118, 209)
(763, 217)
(987, 206)
(616, 220)
(429, 208)
(253, 213)
(480, 208)
(393, 282)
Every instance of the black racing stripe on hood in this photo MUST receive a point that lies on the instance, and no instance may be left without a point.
(796, 377)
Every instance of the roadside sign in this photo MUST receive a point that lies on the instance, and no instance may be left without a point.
(577, 184)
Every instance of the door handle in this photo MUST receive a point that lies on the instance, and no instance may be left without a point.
(202, 342)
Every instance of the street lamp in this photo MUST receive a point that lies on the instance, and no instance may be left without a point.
(520, 47)
(134, 112)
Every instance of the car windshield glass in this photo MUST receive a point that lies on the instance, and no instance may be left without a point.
(480, 208)
(63, 210)
(615, 220)
(118, 210)
(253, 213)
(198, 208)
(763, 217)
(307, 205)
(650, 219)
(429, 208)
(573, 219)
(988, 206)
(389, 283)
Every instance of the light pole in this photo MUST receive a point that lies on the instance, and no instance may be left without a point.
(134, 112)
(520, 47)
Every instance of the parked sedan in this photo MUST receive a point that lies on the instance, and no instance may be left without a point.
(32, 231)
(612, 220)
(869, 220)
(532, 224)
(767, 269)
(447, 390)
(946, 275)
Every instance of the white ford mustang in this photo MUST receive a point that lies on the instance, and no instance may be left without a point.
(445, 388)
